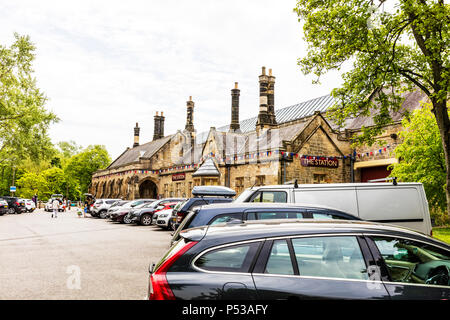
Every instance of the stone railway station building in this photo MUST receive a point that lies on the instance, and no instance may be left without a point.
(274, 147)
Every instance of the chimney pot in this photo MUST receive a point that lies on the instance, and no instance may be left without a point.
(236, 85)
(162, 114)
(270, 72)
(157, 112)
(263, 71)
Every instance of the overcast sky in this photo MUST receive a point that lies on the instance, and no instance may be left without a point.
(105, 65)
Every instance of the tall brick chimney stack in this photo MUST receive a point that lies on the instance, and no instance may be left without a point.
(190, 115)
(161, 125)
(157, 127)
(271, 99)
(263, 115)
(136, 135)
(234, 125)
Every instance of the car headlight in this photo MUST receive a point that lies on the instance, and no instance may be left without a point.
(163, 215)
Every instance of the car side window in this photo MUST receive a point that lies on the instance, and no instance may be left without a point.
(330, 257)
(278, 215)
(226, 218)
(279, 261)
(274, 215)
(325, 216)
(270, 196)
(414, 262)
(236, 258)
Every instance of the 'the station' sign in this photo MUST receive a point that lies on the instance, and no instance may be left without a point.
(320, 162)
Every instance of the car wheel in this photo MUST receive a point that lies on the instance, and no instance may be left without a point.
(126, 220)
(11, 211)
(102, 214)
(146, 220)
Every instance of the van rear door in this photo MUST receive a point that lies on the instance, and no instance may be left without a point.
(400, 205)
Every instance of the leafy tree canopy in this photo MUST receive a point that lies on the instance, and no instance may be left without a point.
(403, 47)
(24, 121)
(422, 155)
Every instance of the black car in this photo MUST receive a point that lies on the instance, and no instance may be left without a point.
(202, 195)
(144, 214)
(302, 259)
(3, 207)
(14, 205)
(219, 213)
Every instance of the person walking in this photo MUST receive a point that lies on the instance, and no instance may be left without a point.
(55, 207)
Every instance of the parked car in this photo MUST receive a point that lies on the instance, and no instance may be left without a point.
(163, 207)
(3, 206)
(49, 205)
(163, 219)
(30, 206)
(403, 204)
(101, 206)
(121, 214)
(14, 204)
(237, 212)
(301, 259)
(116, 206)
(202, 195)
(144, 214)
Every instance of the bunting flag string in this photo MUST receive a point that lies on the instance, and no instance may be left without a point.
(253, 156)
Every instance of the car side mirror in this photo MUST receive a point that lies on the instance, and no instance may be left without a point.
(151, 268)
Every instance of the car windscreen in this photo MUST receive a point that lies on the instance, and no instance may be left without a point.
(243, 197)
(139, 206)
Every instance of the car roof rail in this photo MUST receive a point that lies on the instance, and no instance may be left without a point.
(394, 180)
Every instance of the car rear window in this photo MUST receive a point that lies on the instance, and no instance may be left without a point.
(237, 258)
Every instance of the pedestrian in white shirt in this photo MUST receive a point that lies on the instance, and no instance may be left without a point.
(55, 207)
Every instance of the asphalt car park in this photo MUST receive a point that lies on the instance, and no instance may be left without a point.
(75, 258)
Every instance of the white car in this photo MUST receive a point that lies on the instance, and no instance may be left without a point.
(101, 206)
(163, 218)
(30, 206)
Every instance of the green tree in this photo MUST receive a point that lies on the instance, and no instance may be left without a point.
(30, 184)
(405, 47)
(422, 156)
(24, 121)
(85, 163)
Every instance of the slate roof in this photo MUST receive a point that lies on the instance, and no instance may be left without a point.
(142, 151)
(294, 112)
(411, 102)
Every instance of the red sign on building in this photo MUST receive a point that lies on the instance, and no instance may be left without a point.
(178, 176)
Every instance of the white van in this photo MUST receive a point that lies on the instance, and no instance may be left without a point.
(403, 204)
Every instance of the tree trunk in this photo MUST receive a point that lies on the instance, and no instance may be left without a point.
(442, 119)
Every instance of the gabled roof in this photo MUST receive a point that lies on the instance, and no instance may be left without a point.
(143, 151)
(207, 169)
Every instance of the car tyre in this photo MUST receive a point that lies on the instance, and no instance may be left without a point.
(146, 220)
(126, 220)
(102, 214)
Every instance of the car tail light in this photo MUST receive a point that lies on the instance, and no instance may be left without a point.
(159, 287)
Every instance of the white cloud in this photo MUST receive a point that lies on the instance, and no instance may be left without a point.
(106, 65)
